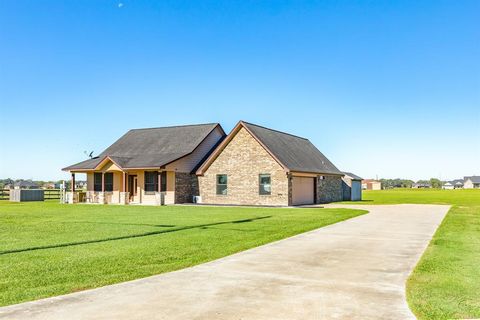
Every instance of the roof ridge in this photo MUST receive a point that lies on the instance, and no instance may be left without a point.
(178, 126)
(283, 132)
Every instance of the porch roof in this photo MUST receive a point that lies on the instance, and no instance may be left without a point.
(150, 148)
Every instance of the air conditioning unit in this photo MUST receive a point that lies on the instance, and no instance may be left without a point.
(197, 199)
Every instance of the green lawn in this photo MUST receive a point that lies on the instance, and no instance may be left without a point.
(446, 282)
(48, 249)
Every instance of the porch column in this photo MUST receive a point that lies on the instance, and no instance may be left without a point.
(71, 199)
(103, 181)
(124, 195)
(159, 181)
(158, 195)
(73, 182)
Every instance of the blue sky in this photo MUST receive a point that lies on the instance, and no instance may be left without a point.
(383, 88)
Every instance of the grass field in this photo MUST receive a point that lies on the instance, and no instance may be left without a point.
(446, 282)
(48, 249)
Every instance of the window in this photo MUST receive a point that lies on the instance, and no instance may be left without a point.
(108, 187)
(265, 186)
(222, 184)
(151, 181)
(97, 181)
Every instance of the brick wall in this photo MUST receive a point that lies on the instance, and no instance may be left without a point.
(329, 189)
(242, 160)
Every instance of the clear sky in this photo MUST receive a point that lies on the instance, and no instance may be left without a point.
(382, 88)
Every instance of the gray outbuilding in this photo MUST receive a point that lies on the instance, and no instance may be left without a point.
(352, 187)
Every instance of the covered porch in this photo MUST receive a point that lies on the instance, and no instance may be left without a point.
(110, 184)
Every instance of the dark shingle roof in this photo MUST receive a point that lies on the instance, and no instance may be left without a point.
(351, 175)
(25, 184)
(457, 182)
(151, 147)
(475, 179)
(296, 153)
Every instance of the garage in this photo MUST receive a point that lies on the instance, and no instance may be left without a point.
(303, 190)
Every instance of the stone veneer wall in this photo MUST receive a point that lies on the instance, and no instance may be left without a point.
(329, 189)
(242, 160)
(186, 186)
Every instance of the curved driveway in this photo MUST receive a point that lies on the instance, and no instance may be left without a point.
(355, 269)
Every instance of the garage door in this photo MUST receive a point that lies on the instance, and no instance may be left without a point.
(302, 191)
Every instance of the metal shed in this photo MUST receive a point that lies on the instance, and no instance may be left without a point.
(352, 187)
(21, 195)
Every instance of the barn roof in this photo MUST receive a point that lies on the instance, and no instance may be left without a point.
(151, 147)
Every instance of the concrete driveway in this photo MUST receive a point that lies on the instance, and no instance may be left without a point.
(354, 269)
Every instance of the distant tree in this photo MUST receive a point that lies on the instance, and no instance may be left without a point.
(396, 183)
(435, 183)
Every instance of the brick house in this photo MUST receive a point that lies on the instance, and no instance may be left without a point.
(255, 165)
(148, 166)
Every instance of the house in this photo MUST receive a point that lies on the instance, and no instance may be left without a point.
(352, 187)
(81, 184)
(448, 185)
(255, 165)
(472, 182)
(457, 183)
(25, 184)
(454, 184)
(421, 185)
(149, 166)
(48, 185)
(371, 184)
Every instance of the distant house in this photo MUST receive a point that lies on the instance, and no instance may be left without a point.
(458, 183)
(81, 184)
(454, 184)
(448, 185)
(371, 184)
(472, 182)
(25, 184)
(421, 185)
(352, 187)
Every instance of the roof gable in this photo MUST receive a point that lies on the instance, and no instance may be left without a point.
(293, 153)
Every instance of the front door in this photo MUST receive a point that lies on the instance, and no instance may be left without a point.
(132, 187)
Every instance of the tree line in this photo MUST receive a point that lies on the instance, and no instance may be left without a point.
(405, 183)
